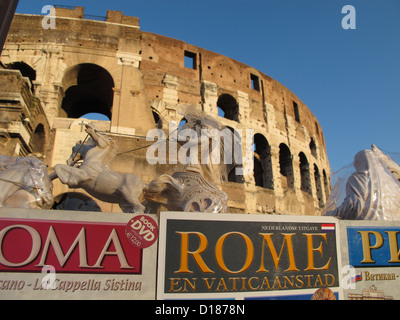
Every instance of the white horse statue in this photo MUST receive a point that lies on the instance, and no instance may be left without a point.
(96, 178)
(24, 183)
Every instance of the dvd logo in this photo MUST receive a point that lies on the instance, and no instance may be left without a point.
(145, 228)
(142, 231)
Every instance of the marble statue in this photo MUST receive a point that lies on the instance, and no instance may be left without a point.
(94, 175)
(393, 167)
(191, 190)
(24, 183)
(187, 190)
(372, 191)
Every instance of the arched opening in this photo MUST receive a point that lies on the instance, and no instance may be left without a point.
(95, 116)
(304, 173)
(228, 107)
(313, 148)
(234, 170)
(75, 201)
(262, 162)
(286, 166)
(181, 124)
(25, 69)
(38, 141)
(157, 119)
(88, 89)
(326, 185)
(318, 186)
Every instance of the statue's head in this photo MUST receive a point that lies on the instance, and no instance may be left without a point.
(362, 161)
(366, 160)
(79, 151)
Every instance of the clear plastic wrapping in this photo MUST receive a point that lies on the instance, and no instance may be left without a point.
(204, 124)
(24, 183)
(368, 189)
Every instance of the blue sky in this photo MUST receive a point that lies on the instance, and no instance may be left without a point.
(349, 79)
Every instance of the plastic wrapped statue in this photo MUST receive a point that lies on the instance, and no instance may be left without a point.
(208, 131)
(372, 192)
(193, 188)
(24, 183)
(87, 168)
(393, 167)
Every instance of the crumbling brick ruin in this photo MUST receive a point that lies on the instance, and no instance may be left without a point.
(50, 78)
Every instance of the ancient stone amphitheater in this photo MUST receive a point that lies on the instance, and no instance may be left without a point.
(51, 78)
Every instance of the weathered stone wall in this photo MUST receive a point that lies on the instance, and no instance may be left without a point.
(136, 77)
(24, 129)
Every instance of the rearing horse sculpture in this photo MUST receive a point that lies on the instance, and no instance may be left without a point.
(96, 178)
(24, 183)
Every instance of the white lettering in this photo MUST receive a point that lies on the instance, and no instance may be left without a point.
(49, 21)
(49, 281)
(119, 252)
(52, 239)
(36, 242)
(349, 21)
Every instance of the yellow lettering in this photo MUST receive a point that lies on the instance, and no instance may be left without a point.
(219, 252)
(191, 285)
(318, 280)
(265, 282)
(308, 276)
(174, 282)
(311, 249)
(290, 281)
(195, 254)
(277, 282)
(234, 283)
(327, 283)
(267, 237)
(366, 244)
(221, 284)
(393, 245)
(299, 279)
(209, 286)
(250, 286)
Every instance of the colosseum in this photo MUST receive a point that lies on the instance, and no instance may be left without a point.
(52, 77)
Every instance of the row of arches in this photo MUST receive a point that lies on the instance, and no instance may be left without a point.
(263, 169)
(263, 173)
(88, 90)
(228, 108)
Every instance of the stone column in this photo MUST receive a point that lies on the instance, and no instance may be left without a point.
(276, 171)
(244, 107)
(131, 110)
(210, 93)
